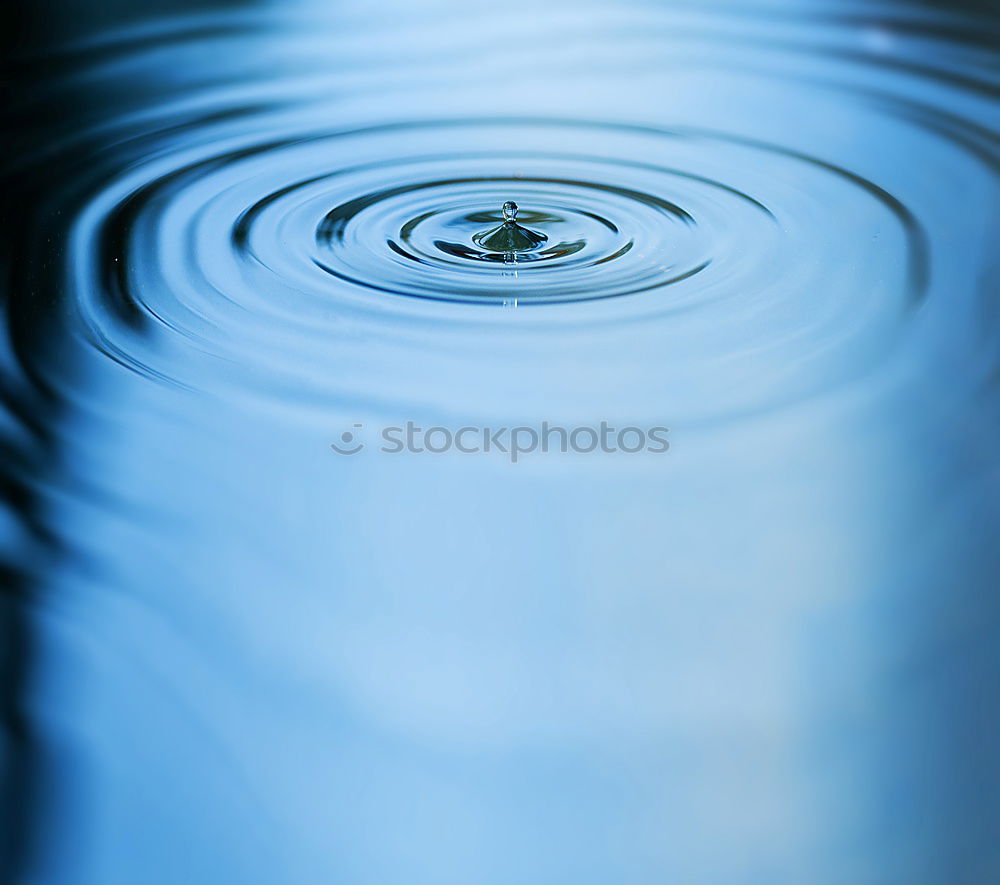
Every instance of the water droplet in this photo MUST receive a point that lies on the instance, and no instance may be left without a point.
(510, 236)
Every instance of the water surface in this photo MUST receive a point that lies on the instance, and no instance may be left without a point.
(767, 655)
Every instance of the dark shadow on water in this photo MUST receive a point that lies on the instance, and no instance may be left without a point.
(32, 416)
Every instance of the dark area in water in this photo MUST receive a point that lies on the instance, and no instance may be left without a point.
(229, 232)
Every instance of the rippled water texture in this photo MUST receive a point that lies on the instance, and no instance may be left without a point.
(767, 656)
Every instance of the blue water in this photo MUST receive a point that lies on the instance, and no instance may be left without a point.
(764, 654)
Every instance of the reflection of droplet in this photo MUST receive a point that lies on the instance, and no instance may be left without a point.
(510, 236)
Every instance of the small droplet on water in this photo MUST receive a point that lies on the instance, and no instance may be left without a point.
(509, 237)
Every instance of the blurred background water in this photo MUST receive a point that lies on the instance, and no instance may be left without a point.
(767, 656)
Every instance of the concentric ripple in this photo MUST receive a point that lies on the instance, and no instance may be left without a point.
(587, 222)
(409, 226)
(721, 250)
(407, 222)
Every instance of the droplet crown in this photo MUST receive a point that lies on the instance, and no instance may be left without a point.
(510, 237)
